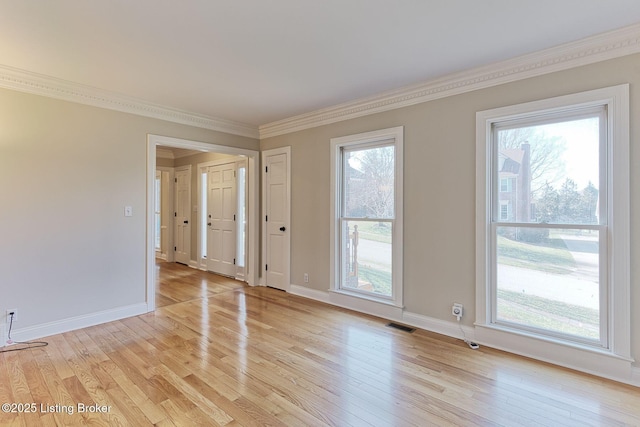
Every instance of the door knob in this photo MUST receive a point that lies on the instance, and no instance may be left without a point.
(282, 228)
(186, 222)
(209, 224)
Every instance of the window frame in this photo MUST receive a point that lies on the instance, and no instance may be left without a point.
(615, 260)
(384, 137)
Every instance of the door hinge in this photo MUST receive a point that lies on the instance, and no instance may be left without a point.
(266, 267)
(175, 248)
(266, 217)
(175, 214)
(234, 217)
(266, 169)
(175, 180)
(234, 261)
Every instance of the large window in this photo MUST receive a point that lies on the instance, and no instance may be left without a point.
(552, 244)
(366, 223)
(548, 273)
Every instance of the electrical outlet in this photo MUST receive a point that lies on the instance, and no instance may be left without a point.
(457, 310)
(306, 277)
(15, 316)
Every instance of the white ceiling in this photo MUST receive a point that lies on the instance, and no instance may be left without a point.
(257, 61)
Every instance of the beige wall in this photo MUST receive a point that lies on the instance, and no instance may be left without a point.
(439, 182)
(68, 250)
(67, 171)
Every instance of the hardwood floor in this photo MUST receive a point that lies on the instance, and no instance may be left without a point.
(218, 353)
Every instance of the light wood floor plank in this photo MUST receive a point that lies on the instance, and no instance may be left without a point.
(219, 353)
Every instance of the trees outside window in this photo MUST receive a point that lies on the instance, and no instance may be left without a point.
(556, 266)
(367, 227)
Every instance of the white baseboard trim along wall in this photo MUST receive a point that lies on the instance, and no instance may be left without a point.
(617, 370)
(448, 328)
(635, 376)
(65, 325)
(451, 329)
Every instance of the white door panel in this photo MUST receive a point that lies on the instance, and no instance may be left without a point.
(221, 222)
(277, 200)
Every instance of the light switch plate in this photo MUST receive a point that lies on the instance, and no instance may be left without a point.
(128, 211)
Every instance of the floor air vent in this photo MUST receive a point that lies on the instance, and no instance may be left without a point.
(401, 327)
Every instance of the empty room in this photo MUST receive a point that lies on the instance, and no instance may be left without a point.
(310, 213)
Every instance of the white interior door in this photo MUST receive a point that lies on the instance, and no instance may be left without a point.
(221, 219)
(182, 216)
(277, 203)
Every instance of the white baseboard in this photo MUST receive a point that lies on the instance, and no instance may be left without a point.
(596, 364)
(635, 376)
(78, 322)
(443, 327)
(573, 356)
(3, 335)
(310, 293)
(385, 311)
(194, 264)
(451, 329)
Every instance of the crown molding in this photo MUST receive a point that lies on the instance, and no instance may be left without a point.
(610, 45)
(38, 84)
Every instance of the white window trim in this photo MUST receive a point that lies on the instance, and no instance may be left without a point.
(361, 304)
(615, 361)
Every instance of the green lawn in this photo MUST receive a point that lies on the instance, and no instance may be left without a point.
(548, 314)
(380, 280)
(552, 257)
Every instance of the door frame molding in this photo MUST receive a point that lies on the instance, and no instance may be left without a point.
(253, 160)
(282, 150)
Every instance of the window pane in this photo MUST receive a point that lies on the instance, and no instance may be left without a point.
(550, 173)
(366, 256)
(549, 279)
(369, 182)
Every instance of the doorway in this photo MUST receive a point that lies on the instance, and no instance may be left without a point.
(222, 231)
(251, 174)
